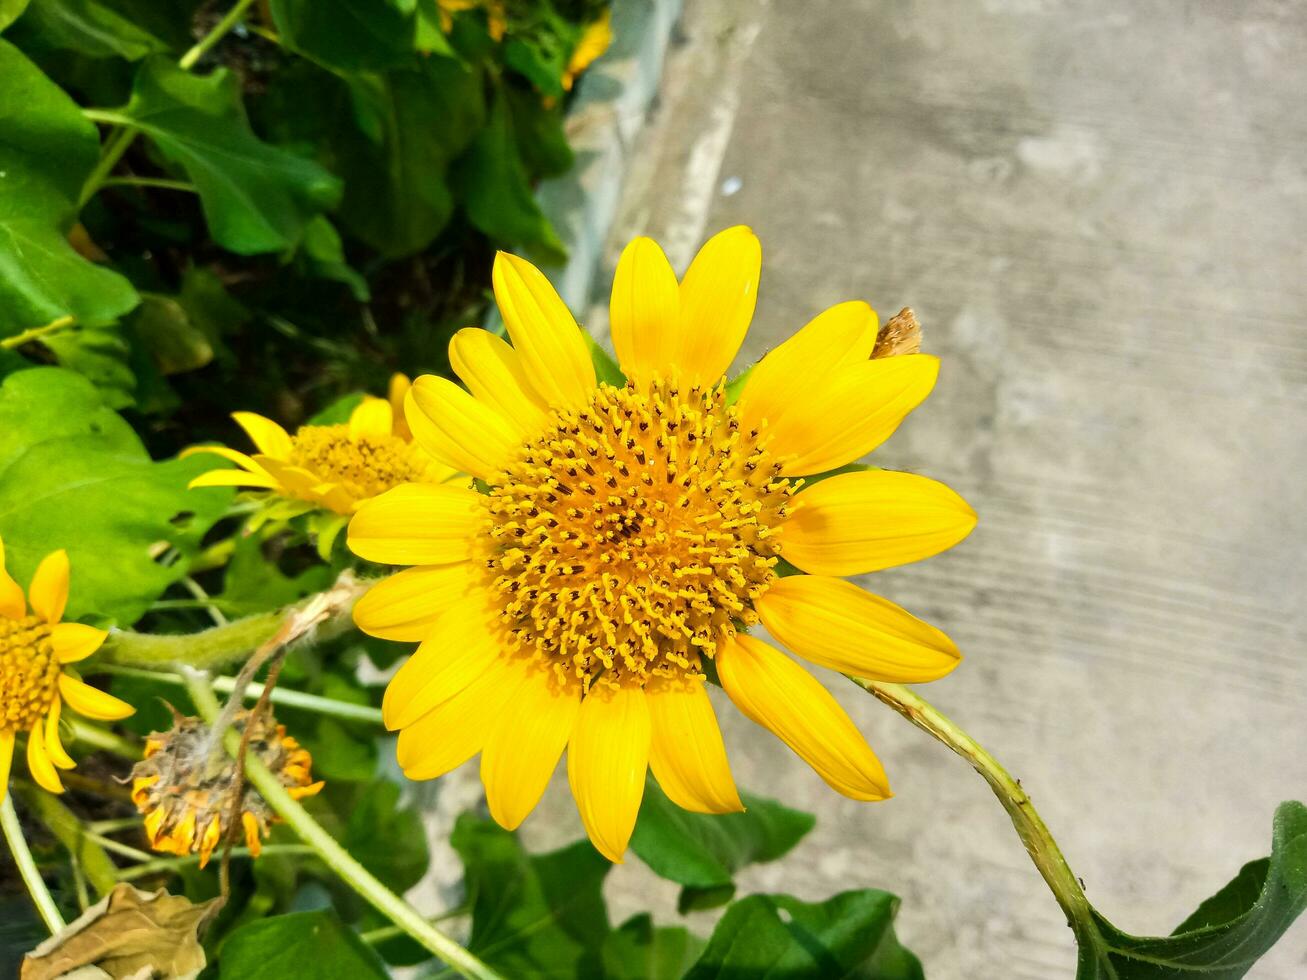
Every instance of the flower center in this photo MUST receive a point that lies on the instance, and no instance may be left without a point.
(364, 465)
(635, 533)
(29, 673)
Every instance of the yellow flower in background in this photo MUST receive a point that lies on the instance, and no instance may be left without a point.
(34, 649)
(594, 42)
(335, 467)
(630, 534)
(188, 809)
(497, 17)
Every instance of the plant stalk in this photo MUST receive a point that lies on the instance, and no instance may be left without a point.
(36, 333)
(332, 854)
(31, 875)
(1030, 827)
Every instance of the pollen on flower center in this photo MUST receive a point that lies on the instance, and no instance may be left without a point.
(29, 673)
(364, 465)
(635, 533)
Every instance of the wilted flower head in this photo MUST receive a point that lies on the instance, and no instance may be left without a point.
(187, 794)
(35, 648)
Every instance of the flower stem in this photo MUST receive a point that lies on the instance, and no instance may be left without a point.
(27, 867)
(36, 333)
(1030, 827)
(332, 854)
(219, 31)
(161, 865)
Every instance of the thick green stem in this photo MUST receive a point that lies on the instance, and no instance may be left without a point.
(332, 854)
(31, 875)
(1030, 827)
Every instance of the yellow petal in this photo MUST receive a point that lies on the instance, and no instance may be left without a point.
(253, 839)
(73, 641)
(209, 840)
(687, 755)
(407, 605)
(854, 523)
(419, 524)
(494, 374)
(234, 478)
(643, 311)
(54, 746)
(717, 294)
(49, 589)
(606, 762)
(450, 734)
(524, 748)
(39, 764)
(459, 431)
(832, 622)
(776, 693)
(856, 409)
(372, 418)
(844, 334)
(270, 438)
(395, 392)
(92, 703)
(6, 761)
(460, 648)
(544, 334)
(12, 603)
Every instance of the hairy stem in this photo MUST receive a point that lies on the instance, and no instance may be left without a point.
(332, 854)
(1030, 827)
(27, 867)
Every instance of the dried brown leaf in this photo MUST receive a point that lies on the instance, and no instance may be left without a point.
(900, 335)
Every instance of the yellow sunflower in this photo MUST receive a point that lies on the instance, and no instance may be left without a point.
(34, 649)
(627, 536)
(334, 467)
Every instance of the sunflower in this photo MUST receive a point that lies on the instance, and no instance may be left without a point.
(189, 808)
(629, 533)
(332, 467)
(34, 649)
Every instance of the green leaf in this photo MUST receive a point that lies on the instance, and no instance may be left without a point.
(540, 131)
(101, 355)
(492, 185)
(72, 477)
(348, 35)
(639, 951)
(607, 369)
(532, 915)
(46, 153)
(91, 28)
(386, 838)
(703, 851)
(10, 11)
(178, 345)
(1229, 932)
(340, 754)
(397, 198)
(307, 945)
(324, 256)
(256, 197)
(850, 935)
(253, 583)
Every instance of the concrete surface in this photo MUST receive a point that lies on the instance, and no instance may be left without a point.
(1097, 209)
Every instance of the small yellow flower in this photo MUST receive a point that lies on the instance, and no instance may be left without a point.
(497, 18)
(188, 806)
(628, 536)
(594, 42)
(34, 649)
(335, 467)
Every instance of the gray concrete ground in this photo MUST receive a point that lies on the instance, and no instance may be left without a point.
(1097, 209)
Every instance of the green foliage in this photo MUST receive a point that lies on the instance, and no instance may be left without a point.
(341, 171)
(1228, 932)
(639, 949)
(532, 915)
(313, 945)
(850, 935)
(48, 150)
(74, 475)
(702, 852)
